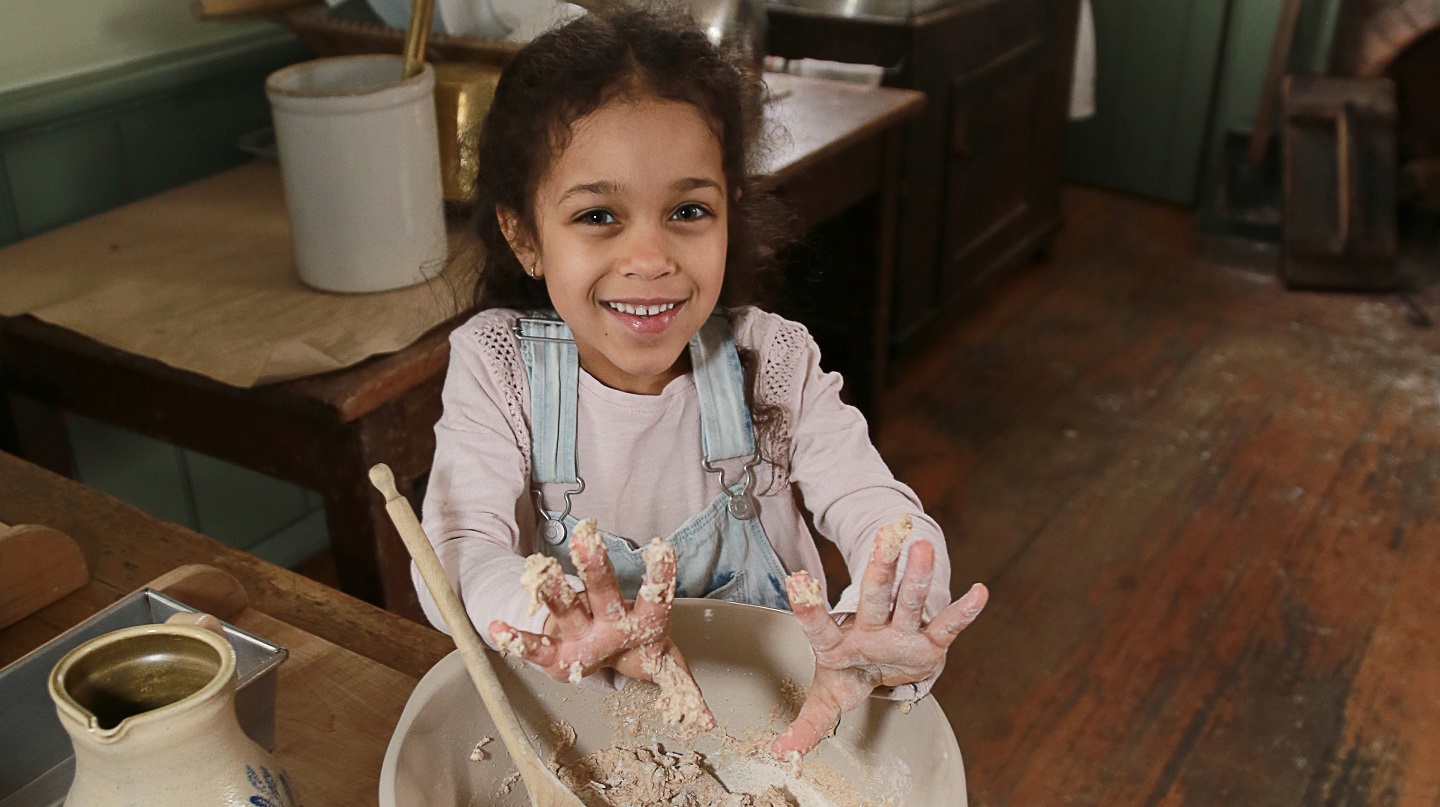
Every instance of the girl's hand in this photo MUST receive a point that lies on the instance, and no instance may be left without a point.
(602, 630)
(884, 645)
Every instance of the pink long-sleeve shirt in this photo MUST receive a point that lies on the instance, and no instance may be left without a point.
(640, 456)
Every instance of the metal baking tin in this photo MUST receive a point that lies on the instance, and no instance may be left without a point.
(37, 762)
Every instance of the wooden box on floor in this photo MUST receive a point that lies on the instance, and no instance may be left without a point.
(1339, 183)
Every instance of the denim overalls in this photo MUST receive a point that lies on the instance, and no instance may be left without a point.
(720, 552)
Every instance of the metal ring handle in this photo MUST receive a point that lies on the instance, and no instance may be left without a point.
(741, 505)
(556, 535)
(749, 475)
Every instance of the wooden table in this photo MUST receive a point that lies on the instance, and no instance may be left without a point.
(324, 432)
(352, 666)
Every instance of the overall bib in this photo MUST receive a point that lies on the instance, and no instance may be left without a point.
(720, 552)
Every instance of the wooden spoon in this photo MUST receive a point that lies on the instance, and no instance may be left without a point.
(545, 789)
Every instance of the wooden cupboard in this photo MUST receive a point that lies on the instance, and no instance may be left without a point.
(981, 166)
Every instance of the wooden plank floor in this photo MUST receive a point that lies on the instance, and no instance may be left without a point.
(1206, 508)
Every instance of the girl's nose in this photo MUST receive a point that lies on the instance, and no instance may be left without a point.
(647, 256)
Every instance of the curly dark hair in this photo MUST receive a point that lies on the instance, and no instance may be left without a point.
(568, 73)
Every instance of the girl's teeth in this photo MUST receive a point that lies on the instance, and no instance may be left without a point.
(641, 310)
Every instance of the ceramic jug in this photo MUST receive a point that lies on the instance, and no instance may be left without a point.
(151, 713)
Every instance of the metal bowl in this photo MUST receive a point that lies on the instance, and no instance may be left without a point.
(883, 9)
(735, 23)
(742, 656)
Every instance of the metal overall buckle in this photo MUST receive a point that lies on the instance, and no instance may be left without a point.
(741, 505)
(517, 328)
(553, 530)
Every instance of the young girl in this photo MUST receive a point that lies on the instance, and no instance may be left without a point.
(615, 374)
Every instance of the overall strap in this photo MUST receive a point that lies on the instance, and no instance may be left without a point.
(726, 430)
(552, 363)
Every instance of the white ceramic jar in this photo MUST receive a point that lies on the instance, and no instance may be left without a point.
(360, 158)
(151, 713)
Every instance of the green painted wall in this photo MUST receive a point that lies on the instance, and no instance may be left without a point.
(75, 146)
(90, 128)
(45, 40)
(1250, 32)
(1155, 70)
(1172, 77)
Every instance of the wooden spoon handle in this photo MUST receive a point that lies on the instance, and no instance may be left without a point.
(468, 643)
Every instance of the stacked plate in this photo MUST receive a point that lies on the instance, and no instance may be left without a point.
(514, 20)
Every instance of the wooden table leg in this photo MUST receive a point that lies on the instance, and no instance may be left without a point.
(369, 556)
(878, 354)
(40, 433)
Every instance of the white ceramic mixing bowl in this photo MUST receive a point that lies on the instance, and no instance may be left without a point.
(741, 656)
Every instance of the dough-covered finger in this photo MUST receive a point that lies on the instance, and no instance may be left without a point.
(877, 585)
(914, 586)
(818, 717)
(810, 609)
(957, 616)
(587, 551)
(657, 592)
(546, 584)
(534, 648)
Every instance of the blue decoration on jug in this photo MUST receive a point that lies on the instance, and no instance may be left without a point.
(269, 792)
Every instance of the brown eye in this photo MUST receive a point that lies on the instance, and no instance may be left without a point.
(690, 212)
(595, 216)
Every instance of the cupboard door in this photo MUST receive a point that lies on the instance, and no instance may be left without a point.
(996, 169)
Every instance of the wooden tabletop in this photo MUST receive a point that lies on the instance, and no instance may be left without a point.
(351, 668)
(814, 118)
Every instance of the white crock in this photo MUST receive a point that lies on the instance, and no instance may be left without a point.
(360, 160)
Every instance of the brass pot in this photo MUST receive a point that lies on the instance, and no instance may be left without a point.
(462, 97)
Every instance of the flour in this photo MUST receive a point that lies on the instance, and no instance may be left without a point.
(792, 759)
(743, 762)
(653, 777)
(508, 783)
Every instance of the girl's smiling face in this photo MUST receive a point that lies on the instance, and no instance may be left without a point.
(631, 225)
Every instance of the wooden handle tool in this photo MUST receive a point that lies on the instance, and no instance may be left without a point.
(205, 588)
(545, 789)
(243, 9)
(1274, 73)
